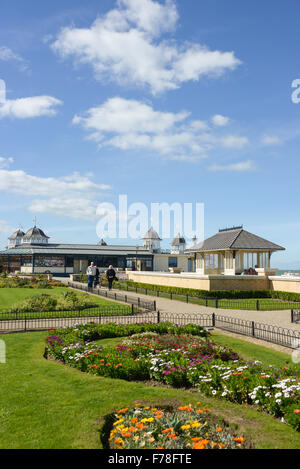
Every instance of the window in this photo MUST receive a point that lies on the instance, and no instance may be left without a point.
(49, 261)
(149, 263)
(172, 261)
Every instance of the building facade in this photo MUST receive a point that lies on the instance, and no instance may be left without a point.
(32, 253)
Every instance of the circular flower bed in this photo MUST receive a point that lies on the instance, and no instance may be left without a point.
(145, 427)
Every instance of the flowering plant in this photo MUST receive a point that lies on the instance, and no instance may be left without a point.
(146, 427)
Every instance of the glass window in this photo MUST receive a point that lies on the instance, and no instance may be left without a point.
(43, 261)
(172, 261)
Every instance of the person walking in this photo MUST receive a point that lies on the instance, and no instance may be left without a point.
(96, 279)
(111, 276)
(91, 272)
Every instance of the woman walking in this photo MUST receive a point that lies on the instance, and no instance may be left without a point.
(111, 276)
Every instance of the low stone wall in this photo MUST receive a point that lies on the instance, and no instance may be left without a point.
(201, 282)
(217, 282)
(291, 285)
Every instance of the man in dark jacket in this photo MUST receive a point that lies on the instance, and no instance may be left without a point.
(111, 276)
(96, 279)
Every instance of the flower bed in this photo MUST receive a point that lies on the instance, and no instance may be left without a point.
(179, 357)
(38, 281)
(145, 427)
(68, 301)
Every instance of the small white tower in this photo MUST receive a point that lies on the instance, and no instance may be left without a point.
(152, 240)
(178, 245)
(15, 239)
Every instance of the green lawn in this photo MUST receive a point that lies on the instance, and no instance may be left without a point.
(9, 296)
(46, 405)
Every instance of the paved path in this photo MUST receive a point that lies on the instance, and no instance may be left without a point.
(275, 318)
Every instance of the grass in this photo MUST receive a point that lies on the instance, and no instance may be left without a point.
(250, 352)
(51, 406)
(264, 304)
(10, 296)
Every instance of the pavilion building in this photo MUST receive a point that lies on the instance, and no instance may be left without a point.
(231, 251)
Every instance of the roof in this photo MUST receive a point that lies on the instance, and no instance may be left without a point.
(35, 232)
(235, 239)
(178, 240)
(102, 243)
(17, 234)
(77, 249)
(152, 234)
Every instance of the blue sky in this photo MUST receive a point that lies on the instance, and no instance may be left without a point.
(163, 101)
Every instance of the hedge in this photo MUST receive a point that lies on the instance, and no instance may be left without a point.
(222, 294)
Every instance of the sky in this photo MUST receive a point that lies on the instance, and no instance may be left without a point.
(162, 101)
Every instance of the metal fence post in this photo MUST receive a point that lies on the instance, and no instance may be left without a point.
(253, 328)
(213, 320)
(292, 315)
(257, 305)
(154, 305)
(158, 317)
(132, 308)
(187, 298)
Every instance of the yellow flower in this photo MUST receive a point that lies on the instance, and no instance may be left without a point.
(185, 427)
(196, 425)
(118, 421)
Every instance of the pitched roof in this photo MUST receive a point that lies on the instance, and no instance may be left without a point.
(17, 234)
(178, 240)
(35, 232)
(152, 234)
(236, 238)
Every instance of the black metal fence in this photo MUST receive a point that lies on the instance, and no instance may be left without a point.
(258, 304)
(147, 305)
(295, 315)
(274, 334)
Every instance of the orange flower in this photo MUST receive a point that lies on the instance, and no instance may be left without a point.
(173, 436)
(134, 420)
(121, 411)
(196, 438)
(137, 404)
(168, 430)
(239, 439)
(141, 426)
(221, 445)
(219, 429)
(201, 444)
(297, 411)
(126, 434)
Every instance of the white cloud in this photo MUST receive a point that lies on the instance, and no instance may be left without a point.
(133, 125)
(5, 162)
(7, 55)
(234, 141)
(78, 208)
(20, 182)
(124, 46)
(76, 196)
(219, 120)
(241, 166)
(25, 108)
(271, 140)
